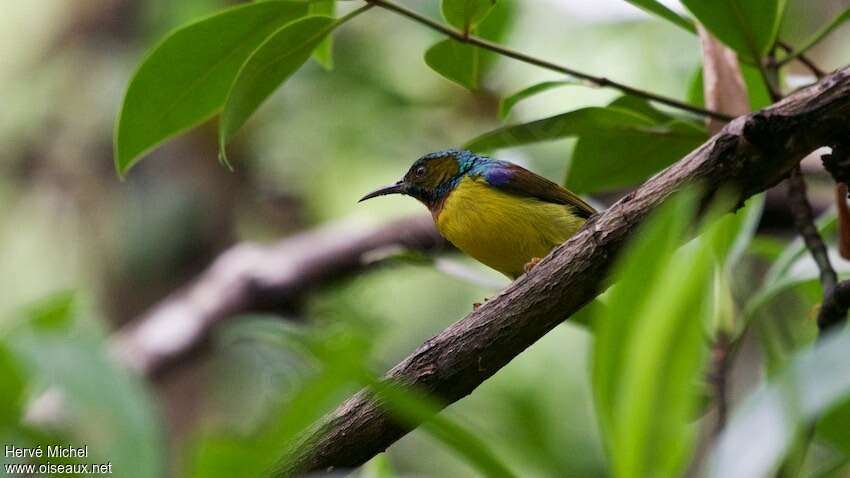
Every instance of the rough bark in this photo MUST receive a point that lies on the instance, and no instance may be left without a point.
(749, 155)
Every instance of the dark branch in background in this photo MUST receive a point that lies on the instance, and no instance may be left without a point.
(836, 301)
(751, 154)
(252, 278)
(804, 220)
(819, 73)
(596, 80)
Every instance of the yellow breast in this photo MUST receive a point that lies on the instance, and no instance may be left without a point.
(501, 230)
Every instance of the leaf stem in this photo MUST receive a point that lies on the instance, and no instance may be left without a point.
(596, 80)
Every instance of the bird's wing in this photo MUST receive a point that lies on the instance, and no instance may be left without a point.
(517, 180)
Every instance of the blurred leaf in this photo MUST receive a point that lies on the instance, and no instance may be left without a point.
(507, 103)
(814, 382)
(323, 54)
(648, 254)
(466, 14)
(820, 34)
(833, 427)
(12, 386)
(604, 160)
(377, 467)
(184, 80)
(658, 9)
(736, 230)
(748, 27)
(793, 267)
(414, 408)
(53, 312)
(341, 355)
(272, 63)
(656, 312)
(456, 61)
(112, 412)
(757, 92)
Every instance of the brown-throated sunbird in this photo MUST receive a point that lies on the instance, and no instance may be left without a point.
(499, 213)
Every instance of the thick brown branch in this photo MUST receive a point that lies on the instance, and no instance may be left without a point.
(252, 277)
(751, 154)
(833, 310)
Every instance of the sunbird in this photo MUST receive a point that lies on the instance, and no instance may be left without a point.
(501, 214)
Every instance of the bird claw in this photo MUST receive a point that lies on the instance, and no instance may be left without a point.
(476, 305)
(531, 264)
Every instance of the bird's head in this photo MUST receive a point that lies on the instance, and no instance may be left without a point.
(431, 178)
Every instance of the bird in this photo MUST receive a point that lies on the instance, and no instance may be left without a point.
(497, 212)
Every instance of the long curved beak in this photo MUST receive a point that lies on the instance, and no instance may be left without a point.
(397, 188)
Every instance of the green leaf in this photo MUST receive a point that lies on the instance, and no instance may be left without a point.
(184, 80)
(655, 312)
(817, 37)
(323, 54)
(658, 9)
(466, 14)
(507, 103)
(417, 409)
(608, 159)
(748, 27)
(272, 63)
(495, 28)
(574, 123)
(456, 61)
(12, 387)
(793, 267)
(815, 382)
(110, 410)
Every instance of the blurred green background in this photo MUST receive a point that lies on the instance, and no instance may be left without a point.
(68, 224)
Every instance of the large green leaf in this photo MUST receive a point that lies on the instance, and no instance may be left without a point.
(456, 61)
(272, 63)
(655, 312)
(656, 8)
(748, 27)
(611, 159)
(466, 14)
(580, 122)
(323, 54)
(815, 382)
(184, 80)
(510, 101)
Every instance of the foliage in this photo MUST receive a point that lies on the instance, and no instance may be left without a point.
(674, 292)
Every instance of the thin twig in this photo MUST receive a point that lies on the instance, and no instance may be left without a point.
(819, 73)
(596, 80)
(804, 220)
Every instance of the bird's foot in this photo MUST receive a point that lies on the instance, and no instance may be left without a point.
(476, 305)
(530, 264)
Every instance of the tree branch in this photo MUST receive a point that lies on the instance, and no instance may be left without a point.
(251, 277)
(751, 154)
(596, 80)
(804, 220)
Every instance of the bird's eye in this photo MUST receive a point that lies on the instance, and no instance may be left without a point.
(420, 171)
